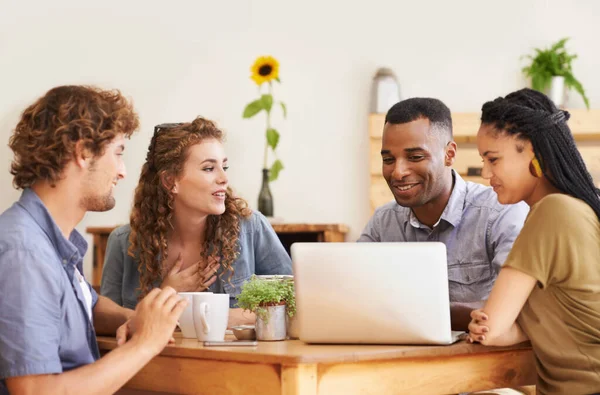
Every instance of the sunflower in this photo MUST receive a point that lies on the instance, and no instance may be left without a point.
(265, 69)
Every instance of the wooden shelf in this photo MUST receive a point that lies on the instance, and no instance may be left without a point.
(584, 124)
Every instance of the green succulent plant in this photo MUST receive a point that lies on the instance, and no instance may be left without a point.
(257, 294)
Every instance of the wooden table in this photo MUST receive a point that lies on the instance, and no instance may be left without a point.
(295, 368)
(287, 233)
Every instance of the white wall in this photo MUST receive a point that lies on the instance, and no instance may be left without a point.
(192, 57)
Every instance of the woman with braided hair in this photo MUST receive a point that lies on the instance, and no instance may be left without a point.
(548, 290)
(187, 229)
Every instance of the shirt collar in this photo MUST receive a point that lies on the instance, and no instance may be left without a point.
(71, 250)
(453, 211)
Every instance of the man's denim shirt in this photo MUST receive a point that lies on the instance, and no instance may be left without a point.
(260, 252)
(44, 325)
(477, 230)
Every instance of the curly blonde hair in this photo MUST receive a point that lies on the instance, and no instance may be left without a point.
(153, 204)
(45, 138)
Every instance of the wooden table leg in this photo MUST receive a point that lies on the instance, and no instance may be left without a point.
(299, 379)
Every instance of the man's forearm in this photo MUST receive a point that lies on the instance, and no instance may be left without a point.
(105, 376)
(460, 314)
(108, 316)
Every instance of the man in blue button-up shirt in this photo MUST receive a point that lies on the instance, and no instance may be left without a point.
(68, 147)
(433, 203)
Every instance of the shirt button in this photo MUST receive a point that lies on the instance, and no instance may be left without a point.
(64, 261)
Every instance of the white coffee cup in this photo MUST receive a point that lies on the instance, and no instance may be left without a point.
(186, 321)
(211, 315)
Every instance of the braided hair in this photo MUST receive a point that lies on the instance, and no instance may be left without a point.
(531, 115)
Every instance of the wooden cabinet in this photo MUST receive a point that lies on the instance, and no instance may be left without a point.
(287, 233)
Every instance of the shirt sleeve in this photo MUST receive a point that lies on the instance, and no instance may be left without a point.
(269, 254)
(114, 260)
(371, 232)
(503, 232)
(30, 314)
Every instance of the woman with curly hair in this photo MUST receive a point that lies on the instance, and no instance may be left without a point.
(187, 230)
(548, 290)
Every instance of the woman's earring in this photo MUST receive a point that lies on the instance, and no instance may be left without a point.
(534, 168)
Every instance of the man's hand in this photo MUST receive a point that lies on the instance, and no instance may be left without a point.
(155, 319)
(124, 333)
(190, 279)
(127, 330)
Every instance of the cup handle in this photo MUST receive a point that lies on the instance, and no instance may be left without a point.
(203, 311)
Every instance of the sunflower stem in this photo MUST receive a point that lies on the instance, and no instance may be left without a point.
(268, 127)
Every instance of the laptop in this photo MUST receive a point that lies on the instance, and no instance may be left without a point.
(372, 293)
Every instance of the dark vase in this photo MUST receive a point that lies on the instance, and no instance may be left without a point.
(265, 199)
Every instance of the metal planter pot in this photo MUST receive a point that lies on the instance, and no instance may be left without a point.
(275, 328)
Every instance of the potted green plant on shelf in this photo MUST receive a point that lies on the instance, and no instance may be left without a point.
(551, 73)
(267, 298)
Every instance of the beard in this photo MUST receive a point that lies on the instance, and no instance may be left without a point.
(98, 203)
(93, 200)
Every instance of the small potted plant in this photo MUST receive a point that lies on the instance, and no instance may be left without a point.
(267, 299)
(550, 72)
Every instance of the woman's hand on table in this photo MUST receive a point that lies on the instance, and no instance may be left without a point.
(477, 327)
